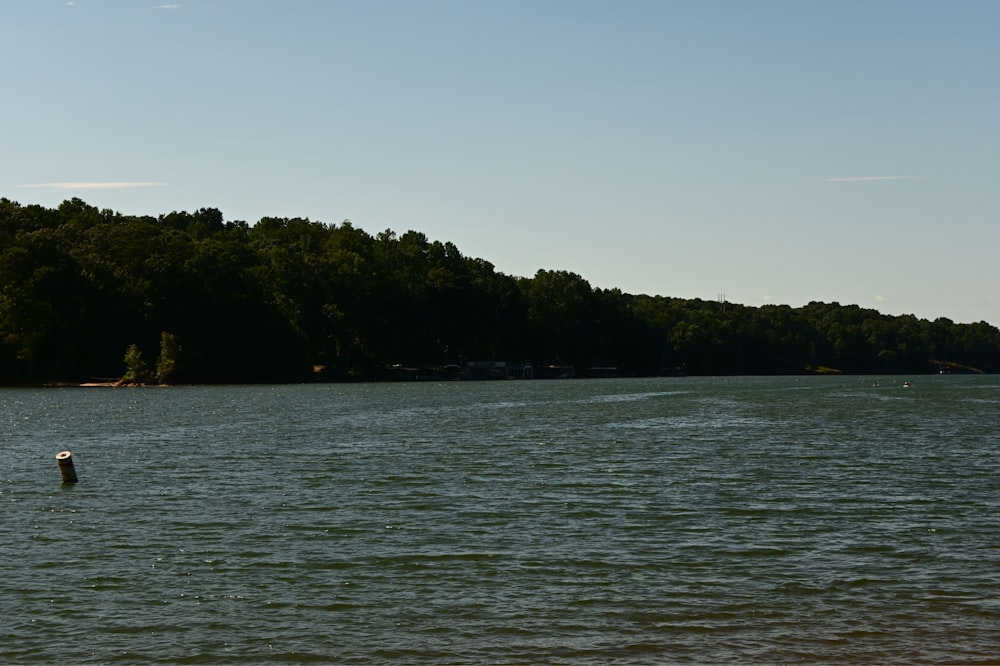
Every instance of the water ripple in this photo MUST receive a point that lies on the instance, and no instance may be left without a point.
(740, 520)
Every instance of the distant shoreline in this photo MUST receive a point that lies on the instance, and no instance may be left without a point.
(105, 384)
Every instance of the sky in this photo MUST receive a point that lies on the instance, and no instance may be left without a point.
(764, 151)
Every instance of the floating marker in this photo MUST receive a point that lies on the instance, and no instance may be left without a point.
(65, 460)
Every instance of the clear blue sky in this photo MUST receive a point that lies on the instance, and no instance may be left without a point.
(775, 151)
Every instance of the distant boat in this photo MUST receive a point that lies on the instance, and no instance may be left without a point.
(906, 384)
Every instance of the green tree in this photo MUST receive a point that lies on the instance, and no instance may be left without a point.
(136, 371)
(166, 364)
(273, 301)
(560, 312)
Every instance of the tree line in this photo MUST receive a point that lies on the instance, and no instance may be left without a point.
(188, 297)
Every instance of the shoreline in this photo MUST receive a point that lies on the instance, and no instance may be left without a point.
(110, 384)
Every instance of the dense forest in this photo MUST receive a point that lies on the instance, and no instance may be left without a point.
(191, 298)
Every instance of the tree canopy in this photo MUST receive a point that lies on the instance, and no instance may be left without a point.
(290, 299)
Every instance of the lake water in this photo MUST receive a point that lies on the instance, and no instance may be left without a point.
(766, 520)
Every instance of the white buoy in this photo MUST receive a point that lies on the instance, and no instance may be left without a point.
(65, 460)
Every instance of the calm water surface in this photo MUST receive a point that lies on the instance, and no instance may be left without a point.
(766, 520)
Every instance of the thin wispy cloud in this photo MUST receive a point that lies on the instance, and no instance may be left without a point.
(166, 6)
(92, 185)
(855, 179)
(879, 298)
